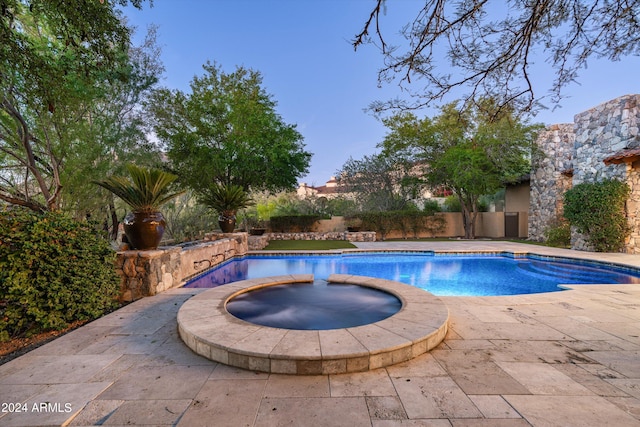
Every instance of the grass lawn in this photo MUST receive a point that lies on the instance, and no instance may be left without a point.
(307, 245)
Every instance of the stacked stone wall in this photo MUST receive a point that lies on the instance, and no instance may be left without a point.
(147, 273)
(602, 132)
(551, 177)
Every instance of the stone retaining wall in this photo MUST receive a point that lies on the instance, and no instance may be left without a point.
(146, 273)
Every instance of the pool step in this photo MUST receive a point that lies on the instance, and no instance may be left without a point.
(563, 274)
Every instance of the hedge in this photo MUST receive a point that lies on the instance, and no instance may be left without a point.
(53, 271)
(598, 210)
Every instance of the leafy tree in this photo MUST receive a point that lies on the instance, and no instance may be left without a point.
(491, 48)
(226, 131)
(380, 182)
(53, 58)
(472, 150)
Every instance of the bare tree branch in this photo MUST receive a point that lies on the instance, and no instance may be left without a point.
(473, 45)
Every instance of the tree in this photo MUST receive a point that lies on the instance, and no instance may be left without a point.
(472, 150)
(52, 55)
(226, 131)
(380, 182)
(492, 48)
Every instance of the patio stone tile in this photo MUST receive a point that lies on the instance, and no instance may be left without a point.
(297, 386)
(66, 369)
(125, 344)
(597, 385)
(625, 362)
(350, 411)
(629, 386)
(96, 412)
(226, 372)
(630, 405)
(370, 383)
(437, 397)
(119, 367)
(74, 341)
(567, 411)
(476, 373)
(54, 405)
(458, 344)
(385, 408)
(576, 329)
(13, 393)
(543, 379)
(225, 403)
(148, 412)
(411, 423)
(493, 406)
(175, 353)
(422, 366)
(481, 422)
(159, 382)
(491, 314)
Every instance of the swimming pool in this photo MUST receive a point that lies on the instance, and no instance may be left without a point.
(440, 274)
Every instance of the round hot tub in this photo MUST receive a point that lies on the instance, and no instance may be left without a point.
(314, 306)
(412, 323)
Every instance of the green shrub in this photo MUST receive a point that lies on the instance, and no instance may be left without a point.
(53, 271)
(411, 221)
(293, 223)
(431, 206)
(558, 234)
(452, 204)
(598, 211)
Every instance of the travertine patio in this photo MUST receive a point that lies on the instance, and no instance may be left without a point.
(559, 359)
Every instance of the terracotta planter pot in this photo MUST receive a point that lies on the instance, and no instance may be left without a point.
(227, 224)
(144, 230)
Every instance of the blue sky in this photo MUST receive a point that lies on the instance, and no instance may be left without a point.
(302, 49)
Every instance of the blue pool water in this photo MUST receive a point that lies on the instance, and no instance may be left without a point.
(477, 275)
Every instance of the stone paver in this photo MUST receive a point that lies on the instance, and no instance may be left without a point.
(559, 359)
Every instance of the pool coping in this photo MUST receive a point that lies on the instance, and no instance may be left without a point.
(209, 330)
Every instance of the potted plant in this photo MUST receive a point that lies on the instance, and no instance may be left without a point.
(145, 190)
(226, 199)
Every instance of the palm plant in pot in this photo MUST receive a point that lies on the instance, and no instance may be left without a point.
(145, 190)
(226, 199)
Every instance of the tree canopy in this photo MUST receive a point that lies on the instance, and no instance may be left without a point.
(472, 150)
(227, 131)
(57, 59)
(492, 47)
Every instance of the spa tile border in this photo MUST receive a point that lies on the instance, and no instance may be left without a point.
(209, 330)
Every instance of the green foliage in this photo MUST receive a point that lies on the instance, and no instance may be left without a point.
(227, 131)
(431, 206)
(187, 220)
(225, 199)
(408, 222)
(598, 210)
(58, 62)
(471, 149)
(53, 271)
(293, 223)
(145, 190)
(382, 182)
(558, 234)
(452, 204)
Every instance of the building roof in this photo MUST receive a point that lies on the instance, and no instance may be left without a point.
(627, 155)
